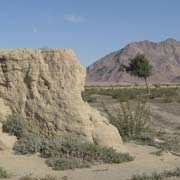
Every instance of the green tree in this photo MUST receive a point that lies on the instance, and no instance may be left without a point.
(139, 66)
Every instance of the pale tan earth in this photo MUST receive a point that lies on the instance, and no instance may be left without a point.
(144, 162)
(166, 120)
(45, 85)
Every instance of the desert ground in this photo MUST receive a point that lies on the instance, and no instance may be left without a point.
(165, 116)
(144, 162)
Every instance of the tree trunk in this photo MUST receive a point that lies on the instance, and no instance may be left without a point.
(147, 88)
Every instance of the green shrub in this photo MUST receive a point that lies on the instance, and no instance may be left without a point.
(51, 148)
(158, 152)
(129, 124)
(87, 96)
(77, 155)
(172, 173)
(84, 151)
(59, 154)
(15, 125)
(29, 177)
(68, 154)
(29, 144)
(3, 173)
(122, 95)
(171, 142)
(168, 94)
(125, 94)
(63, 163)
(154, 176)
(157, 176)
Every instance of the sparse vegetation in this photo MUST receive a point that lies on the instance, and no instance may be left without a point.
(168, 99)
(60, 154)
(29, 144)
(170, 142)
(158, 176)
(3, 173)
(84, 151)
(87, 96)
(158, 152)
(60, 163)
(122, 115)
(130, 124)
(68, 154)
(125, 94)
(29, 177)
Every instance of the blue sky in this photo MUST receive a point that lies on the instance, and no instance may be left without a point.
(92, 28)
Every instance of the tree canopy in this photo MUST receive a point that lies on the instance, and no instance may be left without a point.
(139, 66)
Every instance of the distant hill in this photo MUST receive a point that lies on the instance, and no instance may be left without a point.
(164, 56)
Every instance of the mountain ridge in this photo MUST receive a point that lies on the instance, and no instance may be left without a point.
(164, 56)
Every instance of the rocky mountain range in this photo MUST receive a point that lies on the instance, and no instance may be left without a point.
(163, 56)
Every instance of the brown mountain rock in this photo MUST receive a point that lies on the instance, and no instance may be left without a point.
(164, 56)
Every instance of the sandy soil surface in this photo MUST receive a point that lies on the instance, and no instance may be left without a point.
(145, 162)
(165, 116)
(165, 119)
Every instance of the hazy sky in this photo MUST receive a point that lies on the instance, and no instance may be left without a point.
(92, 28)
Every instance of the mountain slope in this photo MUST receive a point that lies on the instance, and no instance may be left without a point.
(164, 56)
